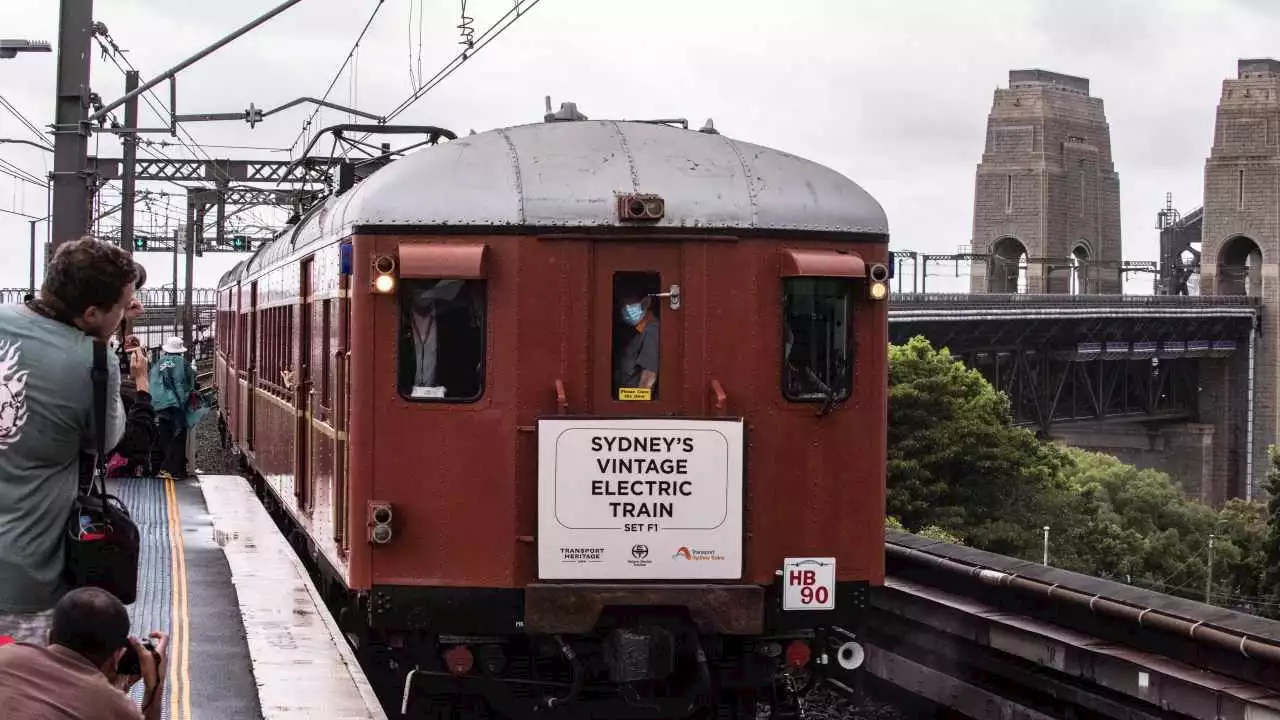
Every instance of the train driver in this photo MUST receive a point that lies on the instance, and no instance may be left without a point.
(638, 363)
(440, 341)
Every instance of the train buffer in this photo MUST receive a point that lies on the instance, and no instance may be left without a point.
(250, 636)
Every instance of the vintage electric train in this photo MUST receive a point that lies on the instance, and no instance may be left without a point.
(576, 419)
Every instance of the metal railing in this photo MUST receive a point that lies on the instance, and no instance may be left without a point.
(151, 297)
(1015, 300)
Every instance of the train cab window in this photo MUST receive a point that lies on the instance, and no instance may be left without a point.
(817, 339)
(636, 320)
(441, 340)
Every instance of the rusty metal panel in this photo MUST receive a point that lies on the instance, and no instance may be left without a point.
(441, 260)
(728, 609)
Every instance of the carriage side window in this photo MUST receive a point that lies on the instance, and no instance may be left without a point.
(817, 339)
(441, 351)
(636, 353)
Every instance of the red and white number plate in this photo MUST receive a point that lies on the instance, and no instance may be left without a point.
(809, 584)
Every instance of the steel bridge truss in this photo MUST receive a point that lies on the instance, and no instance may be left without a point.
(1094, 383)
(1084, 358)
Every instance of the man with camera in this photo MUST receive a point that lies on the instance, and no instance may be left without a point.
(46, 419)
(87, 667)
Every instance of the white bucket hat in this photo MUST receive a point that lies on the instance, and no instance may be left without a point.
(174, 346)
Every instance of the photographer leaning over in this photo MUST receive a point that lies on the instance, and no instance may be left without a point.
(46, 419)
(86, 668)
(136, 447)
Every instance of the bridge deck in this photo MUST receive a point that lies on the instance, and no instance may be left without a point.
(956, 305)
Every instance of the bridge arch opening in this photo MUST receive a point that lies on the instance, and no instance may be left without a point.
(1008, 267)
(1240, 267)
(1079, 281)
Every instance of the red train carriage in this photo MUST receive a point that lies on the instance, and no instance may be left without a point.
(580, 418)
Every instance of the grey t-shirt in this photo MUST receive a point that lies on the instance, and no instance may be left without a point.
(46, 420)
(640, 354)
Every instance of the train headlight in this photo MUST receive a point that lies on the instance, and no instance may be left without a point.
(380, 517)
(383, 279)
(878, 274)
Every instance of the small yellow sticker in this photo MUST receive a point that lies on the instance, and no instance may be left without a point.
(635, 394)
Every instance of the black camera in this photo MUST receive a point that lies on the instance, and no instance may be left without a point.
(129, 664)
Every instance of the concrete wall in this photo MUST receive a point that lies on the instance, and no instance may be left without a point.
(1047, 179)
(1185, 452)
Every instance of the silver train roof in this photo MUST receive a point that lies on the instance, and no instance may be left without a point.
(568, 174)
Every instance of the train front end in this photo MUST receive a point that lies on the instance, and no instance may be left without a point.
(641, 472)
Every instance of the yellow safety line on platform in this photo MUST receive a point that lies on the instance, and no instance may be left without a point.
(180, 633)
(175, 628)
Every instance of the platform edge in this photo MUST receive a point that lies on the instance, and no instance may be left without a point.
(215, 489)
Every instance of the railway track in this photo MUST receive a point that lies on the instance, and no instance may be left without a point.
(988, 636)
(991, 636)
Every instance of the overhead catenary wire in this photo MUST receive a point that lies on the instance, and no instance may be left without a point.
(19, 214)
(4, 102)
(20, 174)
(113, 52)
(337, 75)
(517, 11)
(490, 34)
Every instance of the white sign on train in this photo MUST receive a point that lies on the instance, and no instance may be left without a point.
(639, 499)
(809, 584)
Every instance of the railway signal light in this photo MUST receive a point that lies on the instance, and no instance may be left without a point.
(239, 242)
(139, 243)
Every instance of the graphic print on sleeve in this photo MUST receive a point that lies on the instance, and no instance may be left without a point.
(13, 393)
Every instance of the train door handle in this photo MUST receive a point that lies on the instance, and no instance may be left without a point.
(673, 293)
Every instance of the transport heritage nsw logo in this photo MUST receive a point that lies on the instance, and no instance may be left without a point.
(640, 556)
(696, 555)
(13, 394)
(581, 555)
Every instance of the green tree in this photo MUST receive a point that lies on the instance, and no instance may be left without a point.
(1240, 558)
(954, 460)
(1133, 525)
(958, 471)
(1271, 544)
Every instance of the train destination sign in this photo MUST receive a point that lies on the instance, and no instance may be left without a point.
(639, 498)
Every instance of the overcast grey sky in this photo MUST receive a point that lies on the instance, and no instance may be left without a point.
(892, 93)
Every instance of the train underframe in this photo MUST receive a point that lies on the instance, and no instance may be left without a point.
(470, 653)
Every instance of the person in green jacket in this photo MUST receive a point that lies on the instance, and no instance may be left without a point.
(173, 387)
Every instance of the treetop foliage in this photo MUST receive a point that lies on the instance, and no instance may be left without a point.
(957, 467)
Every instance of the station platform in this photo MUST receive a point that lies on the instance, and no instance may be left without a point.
(249, 636)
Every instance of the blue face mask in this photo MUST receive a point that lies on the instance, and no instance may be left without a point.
(632, 314)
